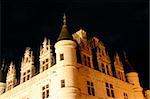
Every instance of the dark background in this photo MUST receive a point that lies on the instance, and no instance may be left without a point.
(123, 24)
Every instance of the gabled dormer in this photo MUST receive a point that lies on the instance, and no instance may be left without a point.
(119, 70)
(103, 61)
(27, 65)
(84, 46)
(11, 80)
(79, 36)
(46, 55)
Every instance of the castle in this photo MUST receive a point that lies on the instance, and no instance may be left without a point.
(76, 67)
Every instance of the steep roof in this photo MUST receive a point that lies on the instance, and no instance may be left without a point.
(64, 34)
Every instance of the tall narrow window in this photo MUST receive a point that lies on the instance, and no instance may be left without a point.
(125, 95)
(24, 79)
(88, 62)
(10, 85)
(103, 68)
(61, 56)
(62, 83)
(107, 68)
(26, 76)
(110, 90)
(45, 91)
(84, 59)
(90, 88)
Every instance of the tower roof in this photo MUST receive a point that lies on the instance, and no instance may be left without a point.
(64, 34)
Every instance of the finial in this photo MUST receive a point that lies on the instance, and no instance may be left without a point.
(64, 20)
(11, 63)
(45, 42)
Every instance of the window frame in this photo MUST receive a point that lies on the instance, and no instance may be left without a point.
(110, 90)
(45, 91)
(62, 83)
(61, 56)
(90, 88)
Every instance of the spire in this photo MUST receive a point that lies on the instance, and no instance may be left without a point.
(64, 21)
(130, 67)
(64, 34)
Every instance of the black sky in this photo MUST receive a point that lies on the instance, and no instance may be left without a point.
(123, 23)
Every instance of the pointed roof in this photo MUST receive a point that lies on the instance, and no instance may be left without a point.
(64, 34)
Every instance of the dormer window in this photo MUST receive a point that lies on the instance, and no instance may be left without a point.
(26, 76)
(45, 64)
(46, 60)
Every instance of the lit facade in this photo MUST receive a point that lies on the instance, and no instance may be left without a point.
(73, 68)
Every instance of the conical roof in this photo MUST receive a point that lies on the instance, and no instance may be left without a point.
(64, 34)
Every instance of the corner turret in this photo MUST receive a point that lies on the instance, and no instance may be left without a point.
(133, 78)
(66, 59)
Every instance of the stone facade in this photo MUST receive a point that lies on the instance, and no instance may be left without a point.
(81, 69)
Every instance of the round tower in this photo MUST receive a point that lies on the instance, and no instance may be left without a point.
(133, 78)
(147, 94)
(2, 83)
(65, 49)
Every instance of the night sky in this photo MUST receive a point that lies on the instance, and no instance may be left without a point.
(122, 23)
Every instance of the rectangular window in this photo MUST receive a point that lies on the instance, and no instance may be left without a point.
(103, 68)
(28, 77)
(125, 95)
(62, 83)
(88, 61)
(45, 91)
(107, 68)
(43, 62)
(46, 66)
(84, 59)
(90, 88)
(110, 90)
(24, 79)
(28, 71)
(47, 60)
(43, 68)
(10, 85)
(24, 73)
(61, 56)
